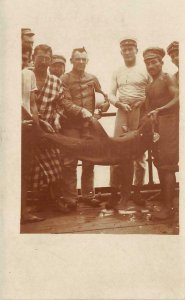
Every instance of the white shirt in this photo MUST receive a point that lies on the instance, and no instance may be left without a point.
(28, 86)
(128, 84)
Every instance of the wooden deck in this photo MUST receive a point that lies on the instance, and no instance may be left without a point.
(98, 220)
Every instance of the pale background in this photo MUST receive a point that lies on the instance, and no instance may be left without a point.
(84, 266)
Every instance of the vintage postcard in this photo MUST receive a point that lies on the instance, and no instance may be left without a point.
(92, 149)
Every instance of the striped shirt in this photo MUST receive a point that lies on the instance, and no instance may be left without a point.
(48, 98)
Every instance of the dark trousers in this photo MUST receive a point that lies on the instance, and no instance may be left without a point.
(69, 182)
(121, 177)
(27, 150)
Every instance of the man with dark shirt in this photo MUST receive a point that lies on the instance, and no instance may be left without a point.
(162, 104)
(79, 106)
(173, 52)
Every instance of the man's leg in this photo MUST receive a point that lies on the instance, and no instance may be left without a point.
(167, 181)
(140, 163)
(87, 178)
(127, 170)
(131, 119)
(139, 175)
(69, 181)
(115, 181)
(121, 127)
(87, 184)
(26, 158)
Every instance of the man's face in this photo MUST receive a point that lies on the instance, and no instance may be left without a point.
(154, 66)
(175, 57)
(129, 54)
(25, 59)
(79, 61)
(27, 41)
(57, 69)
(42, 59)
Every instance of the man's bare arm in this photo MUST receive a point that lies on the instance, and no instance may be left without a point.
(174, 94)
(113, 91)
(33, 108)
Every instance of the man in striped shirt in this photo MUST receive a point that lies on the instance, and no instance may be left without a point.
(47, 172)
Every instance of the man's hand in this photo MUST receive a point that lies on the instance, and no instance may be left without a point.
(27, 123)
(106, 98)
(57, 124)
(137, 104)
(125, 107)
(153, 114)
(47, 127)
(86, 114)
(104, 106)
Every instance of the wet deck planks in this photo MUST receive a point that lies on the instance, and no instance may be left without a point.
(90, 220)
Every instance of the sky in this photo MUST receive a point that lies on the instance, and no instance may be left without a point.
(99, 26)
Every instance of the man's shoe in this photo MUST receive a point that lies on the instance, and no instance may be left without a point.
(122, 205)
(163, 214)
(137, 196)
(72, 204)
(113, 200)
(92, 202)
(138, 200)
(29, 218)
(61, 206)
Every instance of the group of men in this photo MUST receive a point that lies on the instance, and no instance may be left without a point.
(65, 102)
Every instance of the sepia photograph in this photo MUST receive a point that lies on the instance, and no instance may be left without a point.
(97, 152)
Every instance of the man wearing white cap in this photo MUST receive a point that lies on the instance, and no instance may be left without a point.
(128, 94)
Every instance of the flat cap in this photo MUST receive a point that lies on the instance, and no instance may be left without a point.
(58, 59)
(153, 52)
(128, 41)
(27, 31)
(174, 46)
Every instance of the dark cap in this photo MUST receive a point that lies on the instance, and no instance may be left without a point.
(153, 52)
(58, 59)
(174, 46)
(128, 42)
(27, 31)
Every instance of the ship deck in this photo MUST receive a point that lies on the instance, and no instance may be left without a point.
(87, 220)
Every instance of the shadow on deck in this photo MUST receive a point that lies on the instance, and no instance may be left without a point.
(98, 220)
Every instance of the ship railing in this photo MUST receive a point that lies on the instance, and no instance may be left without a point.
(151, 185)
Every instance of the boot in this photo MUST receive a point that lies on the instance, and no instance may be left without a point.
(92, 202)
(137, 196)
(59, 205)
(123, 204)
(163, 214)
(72, 204)
(167, 180)
(113, 200)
